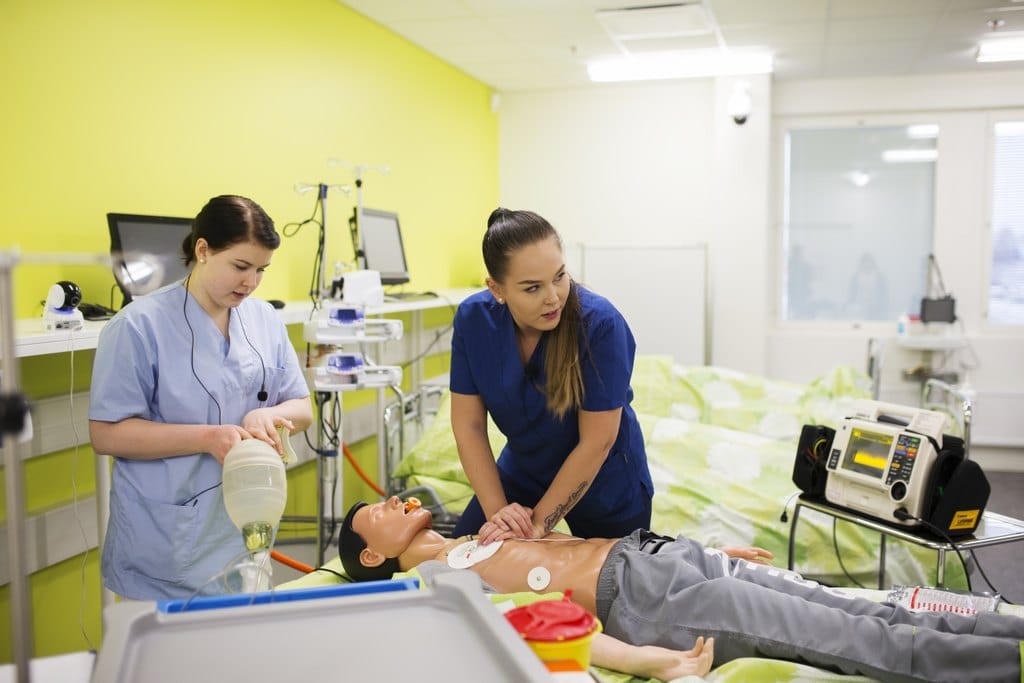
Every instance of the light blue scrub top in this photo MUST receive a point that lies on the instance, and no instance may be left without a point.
(485, 362)
(169, 532)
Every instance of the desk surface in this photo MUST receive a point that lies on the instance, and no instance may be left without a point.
(33, 339)
(993, 528)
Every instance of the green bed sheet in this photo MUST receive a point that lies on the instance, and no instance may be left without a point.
(721, 446)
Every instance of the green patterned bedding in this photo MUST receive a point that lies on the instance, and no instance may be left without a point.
(721, 445)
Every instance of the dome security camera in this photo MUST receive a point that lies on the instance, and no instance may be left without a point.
(740, 103)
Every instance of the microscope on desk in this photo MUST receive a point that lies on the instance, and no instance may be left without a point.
(60, 310)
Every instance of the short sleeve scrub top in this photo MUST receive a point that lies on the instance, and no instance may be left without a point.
(169, 533)
(486, 362)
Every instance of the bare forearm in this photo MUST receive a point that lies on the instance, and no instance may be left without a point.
(572, 481)
(598, 431)
(478, 463)
(139, 439)
(299, 411)
(469, 425)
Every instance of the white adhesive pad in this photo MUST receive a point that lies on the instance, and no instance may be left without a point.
(467, 554)
(538, 578)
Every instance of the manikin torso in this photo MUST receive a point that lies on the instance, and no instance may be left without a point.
(572, 563)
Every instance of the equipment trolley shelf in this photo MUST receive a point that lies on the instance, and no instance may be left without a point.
(994, 529)
(450, 632)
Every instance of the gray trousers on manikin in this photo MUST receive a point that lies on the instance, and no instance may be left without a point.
(654, 590)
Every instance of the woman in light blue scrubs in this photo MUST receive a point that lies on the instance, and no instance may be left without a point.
(551, 362)
(180, 376)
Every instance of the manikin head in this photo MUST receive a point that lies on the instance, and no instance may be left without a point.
(379, 539)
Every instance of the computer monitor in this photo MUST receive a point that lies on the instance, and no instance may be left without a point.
(380, 237)
(146, 251)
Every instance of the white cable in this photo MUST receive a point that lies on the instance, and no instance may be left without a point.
(74, 486)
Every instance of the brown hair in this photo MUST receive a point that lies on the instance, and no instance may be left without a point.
(507, 232)
(228, 220)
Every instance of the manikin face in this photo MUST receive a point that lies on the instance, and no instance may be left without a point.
(387, 528)
(535, 287)
(228, 276)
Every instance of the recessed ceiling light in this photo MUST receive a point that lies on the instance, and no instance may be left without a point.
(681, 64)
(1001, 50)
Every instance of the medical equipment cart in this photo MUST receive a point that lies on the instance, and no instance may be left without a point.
(994, 529)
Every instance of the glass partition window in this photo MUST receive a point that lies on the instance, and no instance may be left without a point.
(858, 221)
(1006, 289)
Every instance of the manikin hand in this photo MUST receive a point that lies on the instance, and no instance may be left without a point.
(224, 437)
(651, 661)
(511, 521)
(262, 424)
(751, 554)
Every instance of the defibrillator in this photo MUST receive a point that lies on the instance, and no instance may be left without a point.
(895, 463)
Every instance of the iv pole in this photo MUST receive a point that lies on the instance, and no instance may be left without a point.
(355, 227)
(359, 246)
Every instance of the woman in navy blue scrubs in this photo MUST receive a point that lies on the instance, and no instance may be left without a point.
(551, 362)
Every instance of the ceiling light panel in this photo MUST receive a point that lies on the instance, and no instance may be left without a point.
(1001, 50)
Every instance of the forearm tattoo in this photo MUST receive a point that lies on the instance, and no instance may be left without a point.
(563, 508)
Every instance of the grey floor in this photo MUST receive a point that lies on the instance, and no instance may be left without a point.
(1003, 564)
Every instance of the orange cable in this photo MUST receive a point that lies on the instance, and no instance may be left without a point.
(291, 562)
(360, 472)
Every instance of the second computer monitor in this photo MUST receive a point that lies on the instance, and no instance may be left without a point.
(380, 236)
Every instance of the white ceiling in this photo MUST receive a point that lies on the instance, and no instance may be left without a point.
(535, 44)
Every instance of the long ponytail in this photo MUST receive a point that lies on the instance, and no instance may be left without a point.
(564, 388)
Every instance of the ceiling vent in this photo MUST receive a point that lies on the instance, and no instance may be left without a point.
(655, 22)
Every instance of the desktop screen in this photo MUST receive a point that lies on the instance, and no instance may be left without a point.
(146, 251)
(381, 238)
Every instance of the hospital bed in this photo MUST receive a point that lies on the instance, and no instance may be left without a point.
(721, 446)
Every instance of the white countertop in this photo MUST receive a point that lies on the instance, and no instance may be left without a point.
(33, 339)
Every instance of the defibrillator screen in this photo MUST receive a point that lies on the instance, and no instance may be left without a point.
(868, 452)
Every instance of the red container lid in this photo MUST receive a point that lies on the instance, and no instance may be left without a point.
(552, 620)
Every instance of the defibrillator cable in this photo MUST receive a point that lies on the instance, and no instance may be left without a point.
(835, 544)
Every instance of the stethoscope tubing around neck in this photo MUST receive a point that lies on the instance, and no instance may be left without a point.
(262, 394)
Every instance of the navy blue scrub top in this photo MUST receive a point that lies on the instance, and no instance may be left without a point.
(486, 362)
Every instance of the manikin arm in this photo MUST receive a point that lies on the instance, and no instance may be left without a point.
(650, 661)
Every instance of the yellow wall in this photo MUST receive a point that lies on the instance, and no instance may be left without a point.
(153, 107)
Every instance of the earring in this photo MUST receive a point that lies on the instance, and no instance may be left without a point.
(501, 301)
(202, 260)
